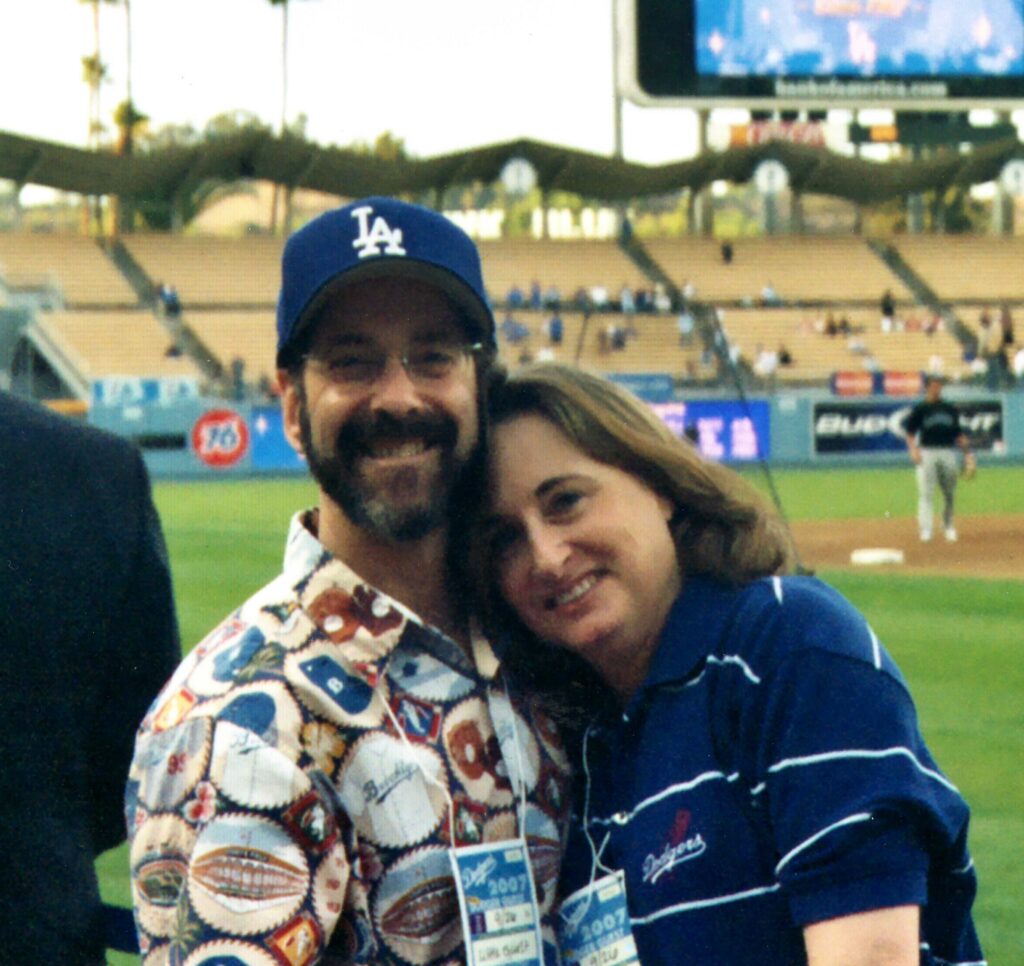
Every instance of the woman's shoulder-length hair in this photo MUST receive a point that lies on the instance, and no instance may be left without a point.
(722, 526)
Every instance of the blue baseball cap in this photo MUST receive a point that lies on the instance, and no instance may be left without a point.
(378, 238)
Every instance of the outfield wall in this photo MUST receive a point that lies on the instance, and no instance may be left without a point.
(191, 436)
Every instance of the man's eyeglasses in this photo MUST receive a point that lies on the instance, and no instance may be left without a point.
(362, 365)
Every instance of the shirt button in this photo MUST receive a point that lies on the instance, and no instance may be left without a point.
(333, 623)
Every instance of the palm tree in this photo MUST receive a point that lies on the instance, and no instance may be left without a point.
(94, 72)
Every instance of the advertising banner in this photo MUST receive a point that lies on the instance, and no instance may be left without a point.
(877, 427)
(723, 430)
(270, 447)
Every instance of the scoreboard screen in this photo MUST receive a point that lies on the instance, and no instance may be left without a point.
(910, 54)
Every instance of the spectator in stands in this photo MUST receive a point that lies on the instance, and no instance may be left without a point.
(555, 329)
(769, 297)
(536, 299)
(169, 300)
(1018, 364)
(627, 303)
(688, 291)
(88, 635)
(552, 298)
(727, 252)
(514, 299)
(991, 349)
(686, 324)
(1006, 325)
(845, 328)
(831, 328)
(599, 297)
(512, 330)
(582, 300)
(785, 356)
(238, 378)
(644, 300)
(662, 301)
(888, 309)
(766, 362)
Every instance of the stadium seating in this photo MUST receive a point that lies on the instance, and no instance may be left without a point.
(74, 265)
(249, 336)
(964, 268)
(569, 265)
(102, 344)
(212, 272)
(810, 269)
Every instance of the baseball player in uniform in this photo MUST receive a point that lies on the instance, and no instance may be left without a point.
(933, 435)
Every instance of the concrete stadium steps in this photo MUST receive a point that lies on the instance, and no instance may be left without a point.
(102, 344)
(801, 268)
(212, 272)
(73, 264)
(964, 268)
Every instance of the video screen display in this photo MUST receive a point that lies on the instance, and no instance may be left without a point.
(860, 38)
(922, 54)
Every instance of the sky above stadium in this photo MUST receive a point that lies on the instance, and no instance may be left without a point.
(442, 74)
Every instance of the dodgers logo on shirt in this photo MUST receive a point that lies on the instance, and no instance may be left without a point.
(681, 846)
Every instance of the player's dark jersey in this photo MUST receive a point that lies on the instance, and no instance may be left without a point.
(935, 423)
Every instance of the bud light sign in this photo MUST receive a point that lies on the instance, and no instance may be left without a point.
(877, 427)
(220, 438)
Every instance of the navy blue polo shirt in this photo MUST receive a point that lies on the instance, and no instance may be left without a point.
(769, 774)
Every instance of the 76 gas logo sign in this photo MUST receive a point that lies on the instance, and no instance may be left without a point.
(220, 437)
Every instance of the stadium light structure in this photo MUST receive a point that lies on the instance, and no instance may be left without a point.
(940, 55)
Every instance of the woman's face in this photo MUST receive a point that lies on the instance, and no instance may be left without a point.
(581, 550)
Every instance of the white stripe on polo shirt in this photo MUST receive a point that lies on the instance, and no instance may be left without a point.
(850, 753)
(624, 818)
(808, 842)
(703, 904)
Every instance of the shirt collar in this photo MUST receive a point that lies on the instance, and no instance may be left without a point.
(310, 567)
(695, 623)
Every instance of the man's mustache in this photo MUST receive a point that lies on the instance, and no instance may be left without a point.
(361, 430)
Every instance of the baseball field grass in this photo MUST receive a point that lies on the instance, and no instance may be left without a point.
(959, 642)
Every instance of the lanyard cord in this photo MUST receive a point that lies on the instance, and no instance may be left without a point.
(581, 912)
(520, 772)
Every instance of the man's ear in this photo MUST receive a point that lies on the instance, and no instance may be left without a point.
(291, 404)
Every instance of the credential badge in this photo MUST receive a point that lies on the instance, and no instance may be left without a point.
(381, 233)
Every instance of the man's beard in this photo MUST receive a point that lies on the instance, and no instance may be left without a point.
(370, 504)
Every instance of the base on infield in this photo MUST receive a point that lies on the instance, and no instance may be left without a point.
(870, 556)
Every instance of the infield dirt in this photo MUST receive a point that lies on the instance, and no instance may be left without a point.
(988, 546)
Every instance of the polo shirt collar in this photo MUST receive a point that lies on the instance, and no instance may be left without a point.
(696, 621)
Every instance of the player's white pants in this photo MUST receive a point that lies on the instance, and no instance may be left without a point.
(938, 465)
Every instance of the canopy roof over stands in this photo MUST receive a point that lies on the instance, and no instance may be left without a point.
(294, 162)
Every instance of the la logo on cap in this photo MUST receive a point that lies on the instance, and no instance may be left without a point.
(370, 239)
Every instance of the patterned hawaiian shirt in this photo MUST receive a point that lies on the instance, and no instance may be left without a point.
(297, 784)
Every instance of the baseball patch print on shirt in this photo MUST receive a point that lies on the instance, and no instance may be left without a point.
(331, 686)
(246, 870)
(416, 906)
(424, 676)
(229, 953)
(159, 862)
(395, 794)
(175, 761)
(475, 753)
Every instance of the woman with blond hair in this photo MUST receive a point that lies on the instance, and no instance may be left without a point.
(750, 766)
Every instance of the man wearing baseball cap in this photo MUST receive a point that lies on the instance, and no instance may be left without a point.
(307, 782)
